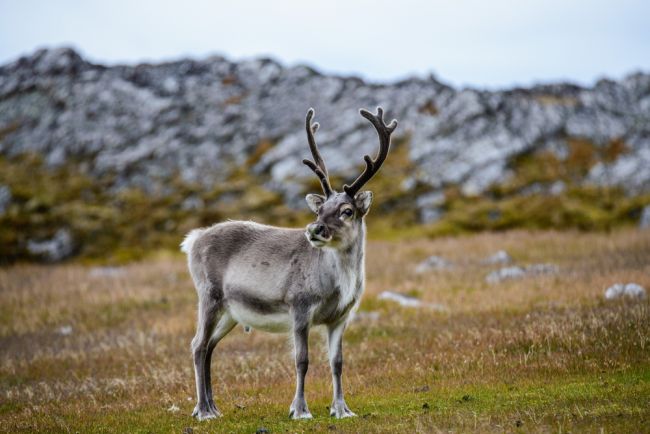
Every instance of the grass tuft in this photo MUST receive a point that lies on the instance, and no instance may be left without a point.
(544, 353)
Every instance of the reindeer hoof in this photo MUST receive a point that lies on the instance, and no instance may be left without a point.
(206, 412)
(340, 410)
(299, 410)
(300, 415)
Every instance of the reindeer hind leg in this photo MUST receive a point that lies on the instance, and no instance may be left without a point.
(209, 314)
(225, 324)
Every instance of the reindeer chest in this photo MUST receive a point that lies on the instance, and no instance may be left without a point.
(350, 287)
(346, 290)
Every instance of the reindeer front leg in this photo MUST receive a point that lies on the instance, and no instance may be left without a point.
(335, 348)
(299, 409)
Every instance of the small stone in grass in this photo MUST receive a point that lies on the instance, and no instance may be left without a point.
(500, 257)
(404, 300)
(262, 430)
(432, 263)
(188, 430)
(408, 301)
(515, 272)
(631, 290)
(65, 330)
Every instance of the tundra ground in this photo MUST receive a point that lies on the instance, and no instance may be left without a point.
(88, 349)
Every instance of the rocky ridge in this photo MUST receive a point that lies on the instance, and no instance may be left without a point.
(201, 119)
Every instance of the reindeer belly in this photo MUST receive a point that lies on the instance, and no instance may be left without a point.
(255, 297)
(275, 322)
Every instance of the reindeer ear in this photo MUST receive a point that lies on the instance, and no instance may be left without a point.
(362, 201)
(314, 202)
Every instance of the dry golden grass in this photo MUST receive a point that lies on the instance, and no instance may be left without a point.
(542, 353)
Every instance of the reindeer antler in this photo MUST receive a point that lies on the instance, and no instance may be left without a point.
(318, 165)
(372, 166)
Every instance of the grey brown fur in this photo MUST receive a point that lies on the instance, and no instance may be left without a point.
(284, 280)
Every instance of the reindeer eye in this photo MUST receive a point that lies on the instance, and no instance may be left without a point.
(347, 212)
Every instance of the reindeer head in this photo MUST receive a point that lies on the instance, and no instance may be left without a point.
(340, 215)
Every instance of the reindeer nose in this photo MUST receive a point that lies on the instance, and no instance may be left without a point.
(316, 228)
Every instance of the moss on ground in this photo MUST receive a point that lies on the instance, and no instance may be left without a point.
(616, 402)
(118, 227)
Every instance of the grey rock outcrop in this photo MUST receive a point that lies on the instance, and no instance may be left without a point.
(55, 249)
(201, 119)
(5, 198)
(644, 221)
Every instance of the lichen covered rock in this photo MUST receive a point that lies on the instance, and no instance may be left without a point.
(201, 119)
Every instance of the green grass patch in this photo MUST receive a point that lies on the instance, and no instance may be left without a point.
(611, 401)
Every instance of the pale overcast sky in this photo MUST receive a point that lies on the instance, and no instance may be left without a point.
(495, 43)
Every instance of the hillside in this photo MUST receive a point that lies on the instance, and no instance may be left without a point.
(85, 148)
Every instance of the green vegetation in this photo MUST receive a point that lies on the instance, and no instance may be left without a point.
(576, 403)
(118, 226)
(524, 200)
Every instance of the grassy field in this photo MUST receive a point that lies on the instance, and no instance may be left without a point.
(88, 349)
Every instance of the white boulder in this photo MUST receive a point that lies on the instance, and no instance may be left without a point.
(432, 263)
(516, 272)
(408, 301)
(500, 257)
(631, 290)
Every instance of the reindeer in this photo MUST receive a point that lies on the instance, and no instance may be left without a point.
(286, 280)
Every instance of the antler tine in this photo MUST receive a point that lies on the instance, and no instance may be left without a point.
(372, 166)
(318, 165)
